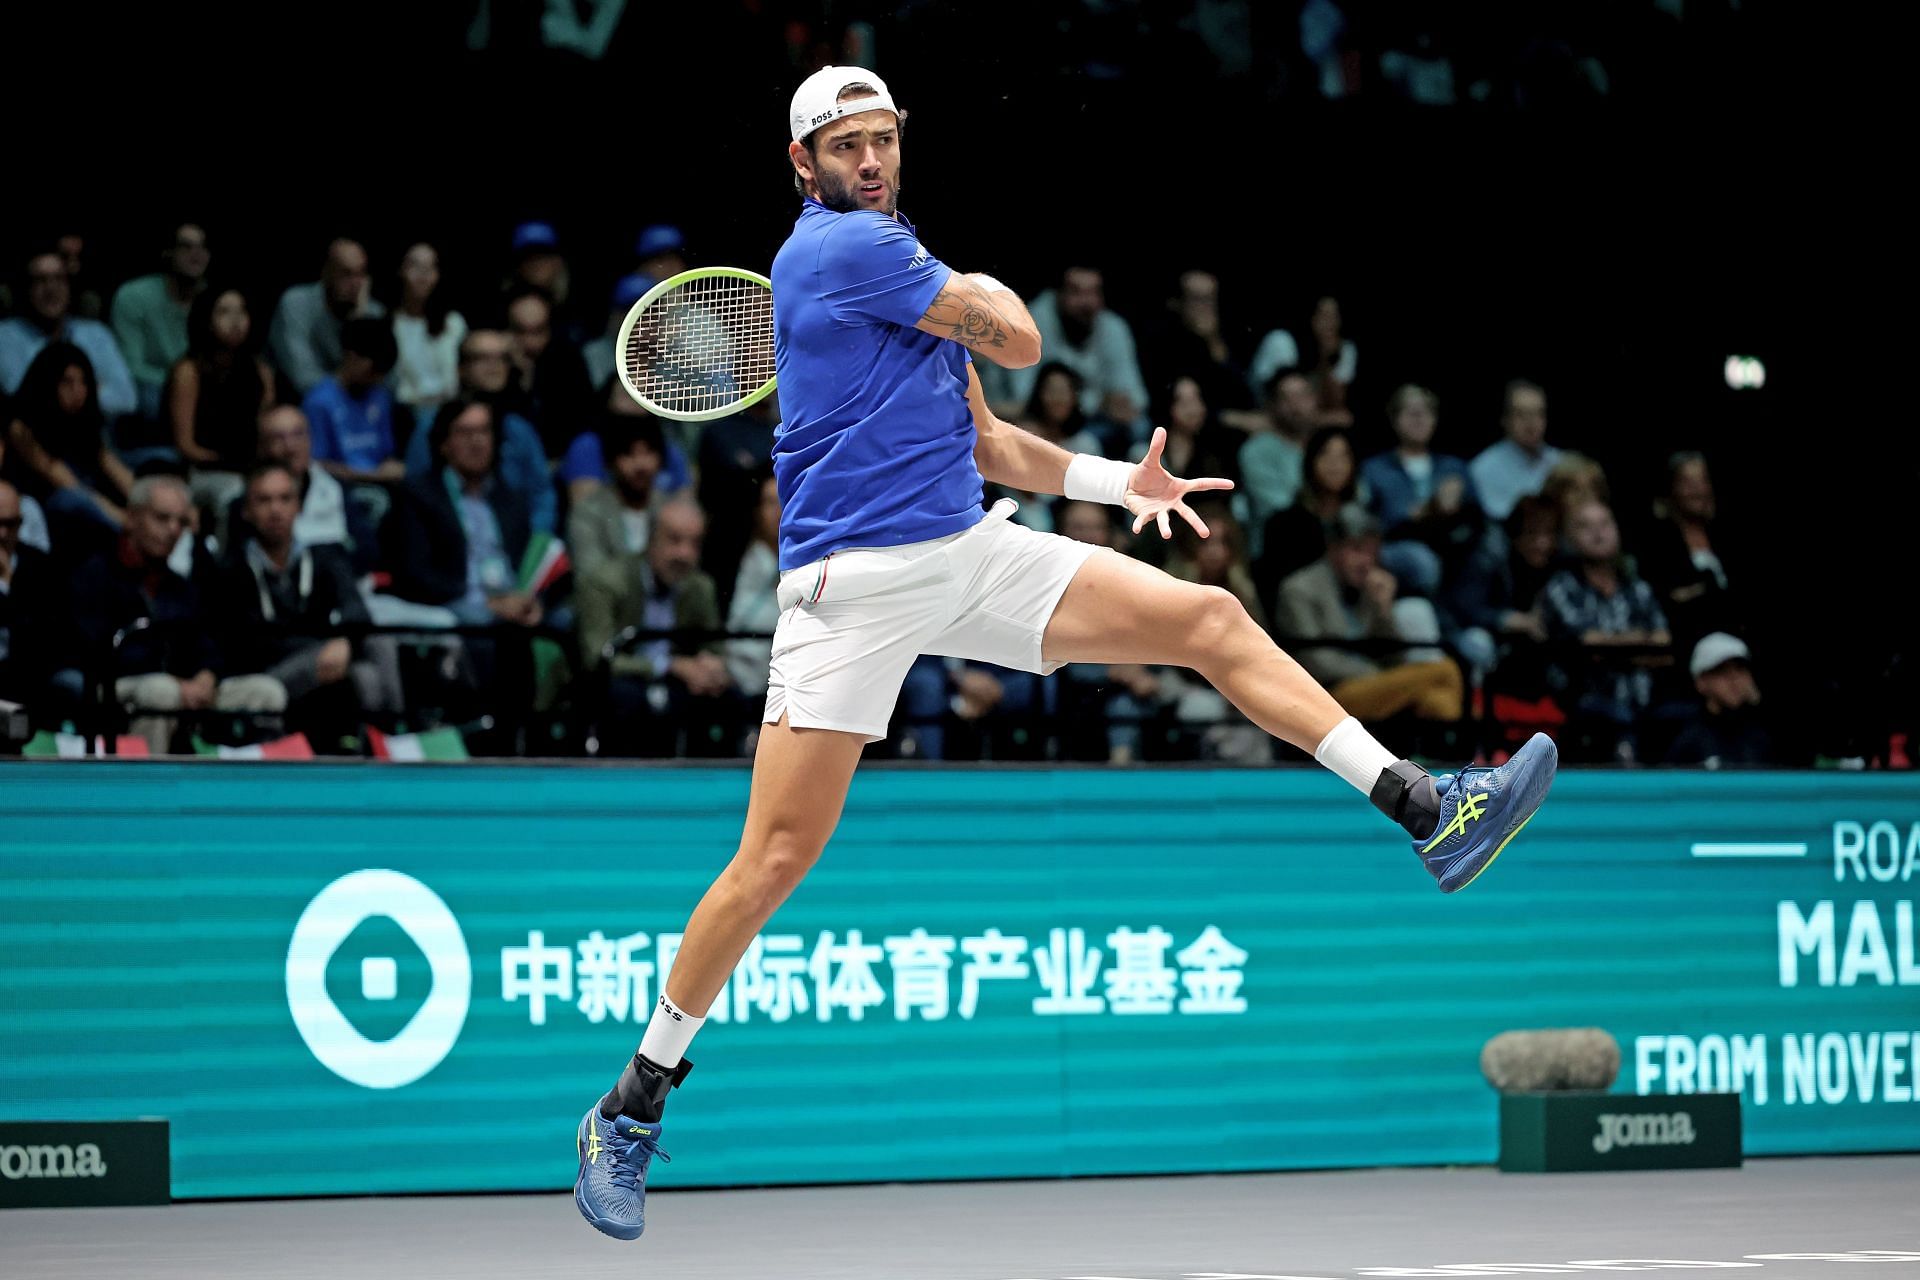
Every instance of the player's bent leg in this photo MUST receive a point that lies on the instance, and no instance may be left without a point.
(1119, 610)
(800, 781)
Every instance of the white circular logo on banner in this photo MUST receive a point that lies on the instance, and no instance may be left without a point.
(429, 1035)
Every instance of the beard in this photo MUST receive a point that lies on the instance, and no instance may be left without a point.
(844, 197)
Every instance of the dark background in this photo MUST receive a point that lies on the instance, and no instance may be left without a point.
(1614, 245)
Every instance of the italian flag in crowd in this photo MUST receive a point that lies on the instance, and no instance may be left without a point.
(546, 560)
(72, 746)
(292, 747)
(435, 744)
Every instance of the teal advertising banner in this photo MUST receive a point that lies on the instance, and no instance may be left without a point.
(416, 978)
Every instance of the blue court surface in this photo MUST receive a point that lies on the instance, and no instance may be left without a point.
(1783, 1219)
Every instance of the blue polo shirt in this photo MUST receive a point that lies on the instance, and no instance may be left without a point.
(355, 431)
(875, 446)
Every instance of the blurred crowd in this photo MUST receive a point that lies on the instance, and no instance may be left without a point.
(386, 499)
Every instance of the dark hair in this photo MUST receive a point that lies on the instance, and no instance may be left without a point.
(1309, 342)
(1533, 509)
(443, 424)
(37, 402)
(371, 337)
(260, 469)
(619, 432)
(1317, 444)
(1075, 419)
(201, 344)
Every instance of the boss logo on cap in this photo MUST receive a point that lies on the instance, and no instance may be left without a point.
(823, 117)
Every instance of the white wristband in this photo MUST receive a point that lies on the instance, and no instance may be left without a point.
(988, 283)
(1091, 479)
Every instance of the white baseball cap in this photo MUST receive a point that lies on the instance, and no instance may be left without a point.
(1716, 650)
(815, 101)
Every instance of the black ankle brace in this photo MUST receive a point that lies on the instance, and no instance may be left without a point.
(642, 1091)
(1405, 792)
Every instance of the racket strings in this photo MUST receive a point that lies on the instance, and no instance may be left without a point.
(703, 345)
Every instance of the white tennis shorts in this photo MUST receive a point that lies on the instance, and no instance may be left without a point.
(852, 623)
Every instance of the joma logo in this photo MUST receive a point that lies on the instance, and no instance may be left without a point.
(1673, 1130)
(62, 1161)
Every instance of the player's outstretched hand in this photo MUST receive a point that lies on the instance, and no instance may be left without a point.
(1152, 493)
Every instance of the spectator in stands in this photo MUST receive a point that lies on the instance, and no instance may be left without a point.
(734, 452)
(614, 521)
(1218, 560)
(1106, 708)
(47, 319)
(1493, 606)
(1574, 481)
(87, 302)
(1193, 343)
(457, 533)
(321, 518)
(59, 450)
(1729, 728)
(305, 340)
(1347, 596)
(1077, 330)
(1683, 560)
(1297, 536)
(1517, 466)
(1422, 499)
(172, 665)
(584, 467)
(32, 530)
(284, 607)
(1272, 457)
(150, 313)
(539, 264)
(754, 607)
(486, 375)
(1327, 357)
(660, 251)
(215, 394)
(549, 369)
(663, 694)
(1596, 607)
(32, 612)
(599, 355)
(427, 333)
(1197, 445)
(1053, 412)
(351, 416)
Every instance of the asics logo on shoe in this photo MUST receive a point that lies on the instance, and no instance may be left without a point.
(645, 1133)
(593, 1148)
(1472, 808)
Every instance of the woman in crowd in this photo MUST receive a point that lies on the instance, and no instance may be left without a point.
(428, 333)
(214, 397)
(60, 453)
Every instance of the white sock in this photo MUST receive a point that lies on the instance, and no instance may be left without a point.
(669, 1033)
(1353, 753)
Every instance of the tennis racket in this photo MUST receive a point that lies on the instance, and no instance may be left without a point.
(699, 345)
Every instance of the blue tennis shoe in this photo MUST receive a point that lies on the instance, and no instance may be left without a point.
(1482, 809)
(611, 1189)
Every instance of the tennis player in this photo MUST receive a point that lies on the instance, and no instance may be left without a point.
(886, 554)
